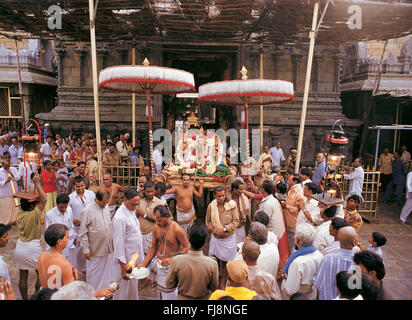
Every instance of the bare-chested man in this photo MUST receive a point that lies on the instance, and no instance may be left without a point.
(54, 270)
(185, 212)
(113, 189)
(169, 240)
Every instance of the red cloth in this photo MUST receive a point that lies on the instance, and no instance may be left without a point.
(284, 251)
(49, 181)
(258, 196)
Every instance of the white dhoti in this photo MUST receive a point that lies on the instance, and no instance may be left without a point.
(99, 271)
(128, 289)
(406, 210)
(8, 211)
(147, 242)
(185, 219)
(240, 234)
(159, 274)
(27, 254)
(77, 259)
(223, 249)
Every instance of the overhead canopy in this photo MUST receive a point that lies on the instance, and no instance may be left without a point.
(269, 22)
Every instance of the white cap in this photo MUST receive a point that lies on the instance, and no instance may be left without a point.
(47, 125)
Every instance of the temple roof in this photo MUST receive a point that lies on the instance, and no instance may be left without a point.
(271, 22)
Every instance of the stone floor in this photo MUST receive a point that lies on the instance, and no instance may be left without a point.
(397, 254)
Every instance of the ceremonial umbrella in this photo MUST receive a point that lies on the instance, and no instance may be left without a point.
(247, 93)
(146, 79)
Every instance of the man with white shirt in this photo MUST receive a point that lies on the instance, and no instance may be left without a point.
(303, 264)
(15, 151)
(271, 206)
(79, 199)
(62, 214)
(95, 239)
(158, 158)
(323, 237)
(356, 177)
(123, 148)
(3, 147)
(269, 255)
(407, 208)
(46, 149)
(277, 155)
(310, 212)
(25, 172)
(127, 241)
(66, 154)
(8, 207)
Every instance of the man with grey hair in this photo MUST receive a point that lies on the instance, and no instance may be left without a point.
(76, 290)
(320, 169)
(269, 255)
(332, 264)
(303, 264)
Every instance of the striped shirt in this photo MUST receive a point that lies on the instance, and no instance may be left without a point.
(330, 266)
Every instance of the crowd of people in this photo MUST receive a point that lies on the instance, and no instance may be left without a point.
(263, 236)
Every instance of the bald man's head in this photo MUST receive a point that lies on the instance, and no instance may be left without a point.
(250, 251)
(347, 237)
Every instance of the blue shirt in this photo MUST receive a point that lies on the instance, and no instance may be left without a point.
(325, 279)
(399, 171)
(319, 172)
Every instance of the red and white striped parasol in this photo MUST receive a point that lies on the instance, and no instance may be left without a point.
(246, 92)
(146, 79)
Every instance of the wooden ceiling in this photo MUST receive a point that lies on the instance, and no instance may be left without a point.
(271, 22)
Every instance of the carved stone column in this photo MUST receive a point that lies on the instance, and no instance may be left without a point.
(317, 59)
(275, 135)
(81, 54)
(276, 59)
(60, 56)
(254, 65)
(123, 55)
(337, 62)
(318, 137)
(296, 58)
(102, 58)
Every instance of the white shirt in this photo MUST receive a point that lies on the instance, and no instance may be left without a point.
(334, 247)
(66, 157)
(4, 149)
(157, 157)
(46, 149)
(123, 150)
(314, 211)
(272, 238)
(5, 188)
(301, 272)
(78, 204)
(277, 156)
(272, 208)
(305, 182)
(322, 238)
(356, 180)
(4, 271)
(376, 250)
(55, 216)
(15, 154)
(359, 297)
(22, 173)
(409, 186)
(127, 237)
(268, 259)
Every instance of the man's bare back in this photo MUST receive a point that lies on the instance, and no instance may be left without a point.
(55, 271)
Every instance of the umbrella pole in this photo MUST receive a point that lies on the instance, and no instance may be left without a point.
(133, 104)
(312, 36)
(247, 130)
(149, 107)
(261, 106)
(95, 91)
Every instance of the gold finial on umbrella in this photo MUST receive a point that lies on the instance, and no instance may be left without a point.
(243, 72)
(146, 62)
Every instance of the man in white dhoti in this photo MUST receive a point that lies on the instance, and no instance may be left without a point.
(79, 199)
(62, 214)
(158, 158)
(169, 240)
(243, 204)
(127, 241)
(185, 212)
(222, 219)
(26, 170)
(8, 175)
(96, 241)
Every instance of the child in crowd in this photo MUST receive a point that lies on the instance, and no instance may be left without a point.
(376, 241)
(62, 176)
(351, 210)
